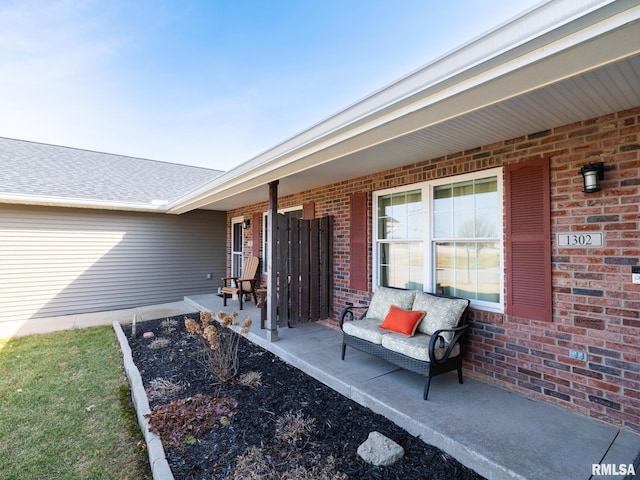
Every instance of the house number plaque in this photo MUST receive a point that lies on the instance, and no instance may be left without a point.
(580, 240)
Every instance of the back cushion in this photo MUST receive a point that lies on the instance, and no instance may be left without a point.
(384, 297)
(441, 313)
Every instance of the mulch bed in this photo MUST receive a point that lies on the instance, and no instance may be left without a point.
(339, 424)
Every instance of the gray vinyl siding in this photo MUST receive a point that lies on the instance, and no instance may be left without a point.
(61, 261)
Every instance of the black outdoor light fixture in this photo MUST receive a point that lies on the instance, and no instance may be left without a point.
(246, 224)
(591, 174)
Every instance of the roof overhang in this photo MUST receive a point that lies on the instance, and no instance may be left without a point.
(559, 63)
(159, 206)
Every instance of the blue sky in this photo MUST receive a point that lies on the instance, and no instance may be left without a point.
(211, 83)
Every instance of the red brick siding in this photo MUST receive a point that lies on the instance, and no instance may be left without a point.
(595, 305)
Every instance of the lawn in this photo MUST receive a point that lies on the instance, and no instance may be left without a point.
(65, 409)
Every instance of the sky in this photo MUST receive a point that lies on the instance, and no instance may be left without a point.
(212, 83)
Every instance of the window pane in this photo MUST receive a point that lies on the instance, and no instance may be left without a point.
(401, 264)
(464, 224)
(466, 209)
(468, 269)
(489, 271)
(237, 237)
(400, 216)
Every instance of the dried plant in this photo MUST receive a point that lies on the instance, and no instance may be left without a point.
(164, 389)
(169, 322)
(159, 342)
(169, 325)
(219, 342)
(250, 379)
(292, 427)
(257, 464)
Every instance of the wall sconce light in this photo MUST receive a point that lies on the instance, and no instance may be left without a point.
(591, 174)
(246, 224)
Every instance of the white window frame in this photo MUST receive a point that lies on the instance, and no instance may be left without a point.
(428, 238)
(265, 263)
(235, 221)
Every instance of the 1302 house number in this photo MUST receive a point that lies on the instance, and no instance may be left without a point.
(580, 240)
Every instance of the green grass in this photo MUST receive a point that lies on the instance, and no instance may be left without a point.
(64, 410)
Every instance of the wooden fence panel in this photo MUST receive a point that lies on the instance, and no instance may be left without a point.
(304, 269)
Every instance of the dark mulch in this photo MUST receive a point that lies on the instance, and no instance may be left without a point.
(341, 424)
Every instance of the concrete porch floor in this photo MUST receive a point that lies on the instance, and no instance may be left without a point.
(497, 433)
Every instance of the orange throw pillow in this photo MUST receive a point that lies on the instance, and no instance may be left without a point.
(402, 321)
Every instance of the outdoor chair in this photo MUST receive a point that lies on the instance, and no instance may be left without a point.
(244, 284)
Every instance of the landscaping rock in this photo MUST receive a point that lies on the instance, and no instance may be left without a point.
(380, 451)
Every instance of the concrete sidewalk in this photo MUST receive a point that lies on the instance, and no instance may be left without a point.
(497, 433)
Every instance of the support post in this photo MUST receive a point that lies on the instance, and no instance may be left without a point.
(272, 285)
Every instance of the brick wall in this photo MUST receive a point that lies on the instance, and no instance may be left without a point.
(595, 305)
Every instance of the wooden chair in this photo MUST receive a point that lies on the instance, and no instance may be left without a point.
(245, 283)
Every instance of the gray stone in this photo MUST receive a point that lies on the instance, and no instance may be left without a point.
(380, 450)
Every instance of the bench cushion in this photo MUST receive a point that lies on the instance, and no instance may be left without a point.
(441, 313)
(384, 297)
(415, 347)
(366, 329)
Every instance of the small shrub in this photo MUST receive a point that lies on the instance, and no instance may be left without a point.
(253, 465)
(169, 323)
(256, 464)
(250, 379)
(182, 419)
(292, 427)
(163, 389)
(219, 342)
(159, 342)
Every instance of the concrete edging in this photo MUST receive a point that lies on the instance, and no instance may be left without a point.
(157, 459)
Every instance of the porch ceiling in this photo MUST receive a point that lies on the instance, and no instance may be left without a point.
(485, 104)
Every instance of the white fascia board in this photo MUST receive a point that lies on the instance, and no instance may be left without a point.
(541, 33)
(72, 202)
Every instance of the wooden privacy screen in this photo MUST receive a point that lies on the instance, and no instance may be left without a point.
(304, 269)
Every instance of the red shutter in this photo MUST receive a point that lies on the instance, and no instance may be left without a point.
(528, 239)
(309, 211)
(358, 279)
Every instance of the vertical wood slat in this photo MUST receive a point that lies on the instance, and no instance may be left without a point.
(325, 262)
(294, 285)
(305, 273)
(282, 269)
(315, 270)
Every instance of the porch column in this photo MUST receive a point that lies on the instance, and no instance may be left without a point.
(272, 285)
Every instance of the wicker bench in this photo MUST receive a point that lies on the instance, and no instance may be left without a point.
(433, 348)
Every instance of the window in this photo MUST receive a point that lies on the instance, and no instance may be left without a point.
(295, 212)
(400, 240)
(466, 239)
(236, 246)
(443, 236)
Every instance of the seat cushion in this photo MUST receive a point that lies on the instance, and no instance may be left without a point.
(384, 297)
(415, 347)
(441, 313)
(402, 321)
(366, 329)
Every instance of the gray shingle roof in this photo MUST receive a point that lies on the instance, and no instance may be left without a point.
(41, 169)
